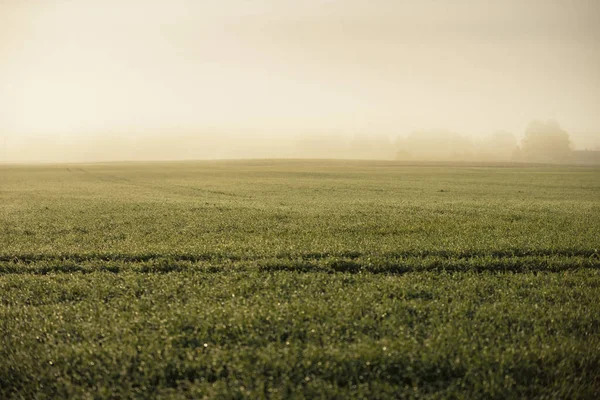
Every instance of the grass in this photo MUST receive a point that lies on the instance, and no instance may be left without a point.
(315, 279)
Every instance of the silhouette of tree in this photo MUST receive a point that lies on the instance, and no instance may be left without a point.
(499, 146)
(435, 145)
(545, 142)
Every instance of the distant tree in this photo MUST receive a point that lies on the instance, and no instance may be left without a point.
(321, 145)
(516, 155)
(373, 147)
(435, 145)
(499, 146)
(403, 155)
(545, 142)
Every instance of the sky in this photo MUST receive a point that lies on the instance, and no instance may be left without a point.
(288, 67)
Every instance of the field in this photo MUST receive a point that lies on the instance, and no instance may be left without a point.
(299, 279)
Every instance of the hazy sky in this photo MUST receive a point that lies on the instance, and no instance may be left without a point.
(289, 66)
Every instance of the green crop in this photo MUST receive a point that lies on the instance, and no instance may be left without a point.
(299, 279)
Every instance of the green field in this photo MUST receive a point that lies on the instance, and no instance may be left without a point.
(292, 279)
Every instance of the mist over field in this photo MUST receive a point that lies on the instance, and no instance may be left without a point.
(416, 80)
(422, 145)
(338, 199)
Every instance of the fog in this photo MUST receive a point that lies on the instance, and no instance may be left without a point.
(197, 79)
(543, 141)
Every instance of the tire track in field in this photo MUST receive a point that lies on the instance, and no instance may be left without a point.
(500, 254)
(302, 263)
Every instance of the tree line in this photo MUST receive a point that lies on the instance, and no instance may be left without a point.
(543, 141)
